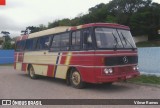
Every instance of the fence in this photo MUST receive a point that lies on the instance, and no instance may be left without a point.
(6, 56)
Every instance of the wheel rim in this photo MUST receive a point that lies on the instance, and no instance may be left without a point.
(31, 72)
(76, 78)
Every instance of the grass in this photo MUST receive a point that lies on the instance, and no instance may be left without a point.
(148, 44)
(149, 79)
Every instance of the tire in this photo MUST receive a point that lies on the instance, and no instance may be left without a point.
(31, 72)
(76, 79)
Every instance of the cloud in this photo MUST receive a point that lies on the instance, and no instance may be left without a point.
(8, 24)
(11, 4)
(18, 14)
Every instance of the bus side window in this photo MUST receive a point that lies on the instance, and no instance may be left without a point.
(30, 44)
(43, 43)
(55, 46)
(60, 42)
(64, 43)
(20, 45)
(75, 40)
(87, 39)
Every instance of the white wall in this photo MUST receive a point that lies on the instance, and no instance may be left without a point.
(149, 60)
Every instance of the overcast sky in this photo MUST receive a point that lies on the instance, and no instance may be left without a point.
(18, 14)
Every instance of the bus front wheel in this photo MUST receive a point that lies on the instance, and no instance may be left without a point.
(76, 79)
(31, 72)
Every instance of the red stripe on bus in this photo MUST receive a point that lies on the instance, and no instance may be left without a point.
(105, 24)
(74, 28)
(24, 66)
(50, 70)
(20, 57)
(14, 65)
(63, 58)
(15, 56)
(24, 37)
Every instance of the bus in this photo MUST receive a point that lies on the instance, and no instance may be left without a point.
(90, 53)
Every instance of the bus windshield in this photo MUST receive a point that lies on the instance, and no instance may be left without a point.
(113, 38)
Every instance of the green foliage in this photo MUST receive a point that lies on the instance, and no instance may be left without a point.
(8, 45)
(111, 19)
(148, 44)
(6, 33)
(149, 79)
(1, 41)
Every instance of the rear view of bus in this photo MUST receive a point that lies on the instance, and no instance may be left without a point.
(89, 53)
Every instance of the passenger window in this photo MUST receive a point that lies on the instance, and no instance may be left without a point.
(60, 42)
(75, 43)
(87, 39)
(20, 45)
(65, 42)
(43, 43)
(30, 44)
(55, 43)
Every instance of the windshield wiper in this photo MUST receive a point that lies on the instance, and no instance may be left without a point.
(126, 40)
(115, 48)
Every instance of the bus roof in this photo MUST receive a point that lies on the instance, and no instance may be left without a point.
(49, 31)
(69, 28)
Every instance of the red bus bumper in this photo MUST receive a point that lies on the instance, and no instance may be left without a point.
(115, 78)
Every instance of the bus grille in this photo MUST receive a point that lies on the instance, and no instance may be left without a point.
(121, 60)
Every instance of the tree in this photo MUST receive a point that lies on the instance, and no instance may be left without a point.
(6, 35)
(8, 45)
(146, 21)
(123, 9)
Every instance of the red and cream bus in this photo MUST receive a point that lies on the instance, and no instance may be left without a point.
(89, 53)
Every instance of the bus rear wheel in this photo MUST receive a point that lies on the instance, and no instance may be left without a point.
(31, 72)
(76, 79)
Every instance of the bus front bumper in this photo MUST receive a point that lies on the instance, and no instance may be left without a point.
(116, 78)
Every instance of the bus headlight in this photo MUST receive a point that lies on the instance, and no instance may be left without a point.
(108, 70)
(135, 68)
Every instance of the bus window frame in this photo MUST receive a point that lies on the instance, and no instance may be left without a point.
(92, 37)
(80, 40)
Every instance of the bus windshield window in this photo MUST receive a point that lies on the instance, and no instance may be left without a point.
(107, 38)
(126, 38)
(113, 38)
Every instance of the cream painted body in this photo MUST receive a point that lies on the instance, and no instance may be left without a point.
(41, 59)
(18, 66)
